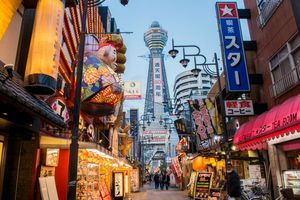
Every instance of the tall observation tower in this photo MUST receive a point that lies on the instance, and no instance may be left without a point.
(157, 94)
(157, 85)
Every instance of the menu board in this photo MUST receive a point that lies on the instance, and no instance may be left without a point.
(52, 157)
(292, 180)
(254, 171)
(192, 184)
(118, 184)
(202, 186)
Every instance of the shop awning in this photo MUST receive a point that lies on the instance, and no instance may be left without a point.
(281, 120)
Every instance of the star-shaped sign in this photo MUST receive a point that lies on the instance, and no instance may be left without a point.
(227, 11)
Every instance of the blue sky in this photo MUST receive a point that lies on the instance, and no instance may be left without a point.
(187, 21)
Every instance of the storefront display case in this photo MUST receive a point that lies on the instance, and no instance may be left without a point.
(88, 181)
(292, 180)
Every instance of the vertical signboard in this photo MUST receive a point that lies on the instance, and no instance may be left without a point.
(134, 126)
(233, 51)
(118, 185)
(157, 80)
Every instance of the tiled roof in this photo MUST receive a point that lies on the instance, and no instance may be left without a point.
(15, 91)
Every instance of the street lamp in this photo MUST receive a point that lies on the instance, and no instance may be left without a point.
(206, 67)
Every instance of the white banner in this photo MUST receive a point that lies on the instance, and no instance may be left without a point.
(132, 90)
(157, 80)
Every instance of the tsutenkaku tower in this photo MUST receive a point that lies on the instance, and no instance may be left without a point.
(157, 85)
(157, 95)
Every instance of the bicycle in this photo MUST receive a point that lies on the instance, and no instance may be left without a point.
(256, 192)
(286, 194)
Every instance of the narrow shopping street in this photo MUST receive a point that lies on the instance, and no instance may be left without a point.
(149, 193)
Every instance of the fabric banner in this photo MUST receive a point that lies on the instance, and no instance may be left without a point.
(177, 166)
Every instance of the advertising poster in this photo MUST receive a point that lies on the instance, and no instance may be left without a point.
(177, 167)
(52, 156)
(202, 186)
(132, 90)
(118, 184)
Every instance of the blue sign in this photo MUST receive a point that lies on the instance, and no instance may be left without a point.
(134, 122)
(233, 50)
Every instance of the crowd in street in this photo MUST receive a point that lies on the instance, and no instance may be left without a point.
(161, 180)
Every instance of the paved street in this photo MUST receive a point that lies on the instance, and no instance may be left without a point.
(148, 193)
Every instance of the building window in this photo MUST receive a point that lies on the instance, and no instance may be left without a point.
(285, 68)
(265, 9)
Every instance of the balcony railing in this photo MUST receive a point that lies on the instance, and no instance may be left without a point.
(267, 11)
(287, 82)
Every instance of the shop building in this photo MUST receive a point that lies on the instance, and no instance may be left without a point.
(37, 100)
(274, 25)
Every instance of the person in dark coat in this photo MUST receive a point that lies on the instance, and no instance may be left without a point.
(167, 181)
(156, 180)
(162, 180)
(233, 183)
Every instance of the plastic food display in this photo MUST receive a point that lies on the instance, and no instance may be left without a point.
(292, 180)
(88, 181)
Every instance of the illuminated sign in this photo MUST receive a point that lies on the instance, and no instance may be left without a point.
(239, 107)
(134, 126)
(233, 51)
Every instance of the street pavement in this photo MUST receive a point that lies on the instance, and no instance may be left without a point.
(149, 193)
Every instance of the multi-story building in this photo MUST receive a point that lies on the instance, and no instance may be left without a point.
(35, 119)
(187, 86)
(275, 26)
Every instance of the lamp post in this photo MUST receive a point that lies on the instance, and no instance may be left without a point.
(73, 158)
(206, 67)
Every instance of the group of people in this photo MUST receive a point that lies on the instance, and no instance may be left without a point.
(161, 180)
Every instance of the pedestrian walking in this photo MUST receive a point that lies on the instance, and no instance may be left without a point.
(156, 180)
(167, 181)
(162, 180)
(233, 184)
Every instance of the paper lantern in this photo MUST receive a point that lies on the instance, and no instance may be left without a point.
(198, 164)
(43, 57)
(7, 11)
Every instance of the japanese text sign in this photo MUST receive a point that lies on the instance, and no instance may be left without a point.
(239, 107)
(132, 90)
(134, 126)
(177, 167)
(201, 118)
(233, 50)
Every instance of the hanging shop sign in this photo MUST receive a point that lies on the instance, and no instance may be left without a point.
(239, 107)
(58, 105)
(181, 127)
(201, 118)
(44, 52)
(134, 126)
(7, 11)
(118, 184)
(233, 51)
(202, 185)
(132, 90)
